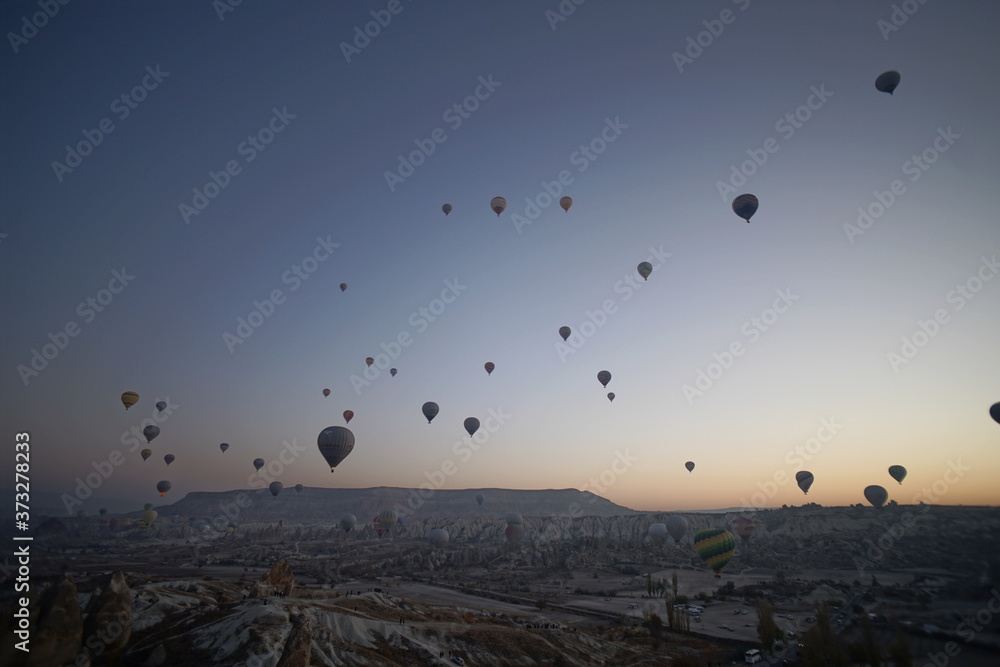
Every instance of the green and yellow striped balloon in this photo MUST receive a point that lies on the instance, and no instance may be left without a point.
(715, 546)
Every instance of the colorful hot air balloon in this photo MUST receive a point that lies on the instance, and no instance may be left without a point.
(387, 519)
(604, 377)
(645, 268)
(258, 463)
(995, 412)
(689, 465)
(348, 415)
(392, 372)
(369, 361)
(146, 453)
(887, 81)
(149, 516)
(298, 488)
(343, 287)
(513, 519)
(513, 533)
(335, 443)
(876, 495)
(498, 204)
(677, 526)
(471, 426)
(804, 479)
(480, 498)
(151, 432)
(326, 392)
(898, 473)
(275, 488)
(611, 395)
(169, 458)
(129, 398)
(745, 206)
(489, 366)
(161, 405)
(744, 527)
(163, 487)
(565, 332)
(438, 537)
(715, 546)
(446, 208)
(566, 202)
(430, 410)
(347, 522)
(147, 506)
(224, 446)
(658, 532)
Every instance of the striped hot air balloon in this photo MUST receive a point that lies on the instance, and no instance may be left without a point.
(715, 546)
(129, 398)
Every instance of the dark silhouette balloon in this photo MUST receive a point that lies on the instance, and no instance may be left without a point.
(604, 377)
(348, 416)
(645, 268)
(480, 498)
(275, 488)
(343, 287)
(258, 464)
(498, 204)
(566, 202)
(471, 426)
(876, 495)
(804, 479)
(489, 366)
(611, 395)
(898, 473)
(995, 412)
(446, 208)
(430, 410)
(335, 443)
(151, 432)
(689, 465)
(887, 81)
(224, 446)
(392, 372)
(565, 332)
(326, 392)
(163, 487)
(745, 206)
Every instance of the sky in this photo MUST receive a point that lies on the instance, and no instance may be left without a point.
(186, 185)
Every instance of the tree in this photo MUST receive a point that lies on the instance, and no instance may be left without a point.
(821, 647)
(899, 647)
(767, 629)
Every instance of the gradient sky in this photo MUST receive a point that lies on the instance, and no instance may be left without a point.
(653, 189)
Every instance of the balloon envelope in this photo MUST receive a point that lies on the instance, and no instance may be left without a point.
(715, 546)
(298, 488)
(611, 395)
(343, 287)
(513, 532)
(392, 372)
(513, 519)
(480, 498)
(161, 405)
(149, 516)
(645, 268)
(129, 398)
(604, 377)
(430, 410)
(169, 458)
(335, 443)
(347, 522)
(498, 204)
(677, 526)
(163, 487)
(565, 332)
(887, 81)
(258, 463)
(489, 366)
(146, 453)
(995, 412)
(745, 206)
(446, 208)
(471, 425)
(224, 446)
(275, 488)
(151, 432)
(876, 495)
(387, 519)
(804, 479)
(348, 416)
(658, 532)
(326, 392)
(438, 537)
(689, 465)
(898, 473)
(744, 527)
(566, 202)
(369, 361)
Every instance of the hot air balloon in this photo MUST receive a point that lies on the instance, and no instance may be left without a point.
(103, 511)
(995, 412)
(876, 495)
(446, 208)
(343, 287)
(745, 206)
(347, 522)
(275, 488)
(566, 202)
(658, 532)
(387, 519)
(163, 487)
(438, 537)
(348, 416)
(489, 366)
(689, 465)
(149, 516)
(258, 463)
(298, 488)
(715, 546)
(392, 372)
(677, 526)
(129, 398)
(565, 332)
(161, 405)
(498, 204)
(513, 533)
(887, 81)
(369, 361)
(645, 268)
(430, 410)
(744, 527)
(471, 426)
(335, 443)
(151, 432)
(224, 446)
(480, 498)
(611, 395)
(146, 453)
(898, 473)
(513, 519)
(169, 458)
(604, 377)
(804, 479)
(326, 392)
